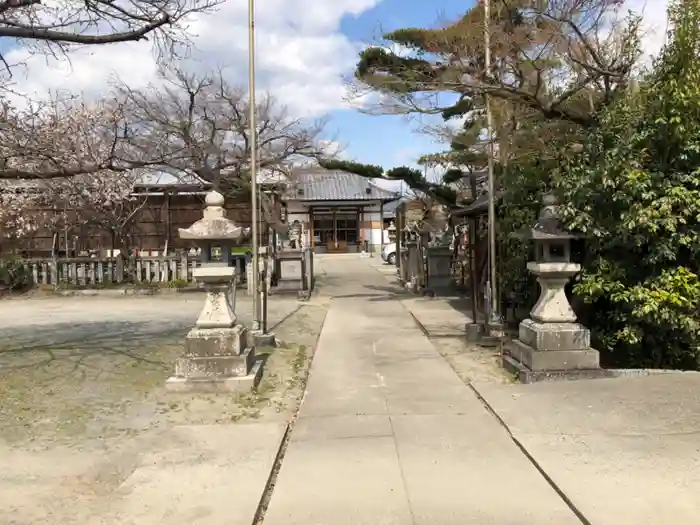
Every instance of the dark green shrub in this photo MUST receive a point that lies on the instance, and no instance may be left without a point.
(15, 276)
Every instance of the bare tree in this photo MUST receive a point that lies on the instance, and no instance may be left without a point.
(58, 25)
(200, 125)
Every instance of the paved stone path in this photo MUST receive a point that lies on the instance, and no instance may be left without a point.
(388, 433)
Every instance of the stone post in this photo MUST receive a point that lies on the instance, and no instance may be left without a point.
(217, 355)
(249, 278)
(309, 267)
(412, 271)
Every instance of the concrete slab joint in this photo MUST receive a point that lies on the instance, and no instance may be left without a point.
(218, 356)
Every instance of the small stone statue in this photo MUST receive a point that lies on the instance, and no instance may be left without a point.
(295, 234)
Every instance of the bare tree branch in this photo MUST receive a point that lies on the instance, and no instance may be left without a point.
(92, 22)
(200, 125)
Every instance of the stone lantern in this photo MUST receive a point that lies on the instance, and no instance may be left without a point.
(217, 356)
(551, 340)
(391, 230)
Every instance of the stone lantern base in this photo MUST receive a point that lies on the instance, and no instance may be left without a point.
(551, 343)
(553, 346)
(219, 354)
(215, 360)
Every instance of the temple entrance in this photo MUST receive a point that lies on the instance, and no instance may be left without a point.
(336, 230)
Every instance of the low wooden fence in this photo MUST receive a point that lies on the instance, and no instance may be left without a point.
(88, 271)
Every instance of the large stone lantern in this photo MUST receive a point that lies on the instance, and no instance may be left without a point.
(551, 340)
(217, 355)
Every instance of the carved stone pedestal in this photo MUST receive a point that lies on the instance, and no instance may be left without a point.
(551, 343)
(292, 273)
(217, 355)
(553, 346)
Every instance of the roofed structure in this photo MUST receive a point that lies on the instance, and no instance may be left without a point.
(335, 185)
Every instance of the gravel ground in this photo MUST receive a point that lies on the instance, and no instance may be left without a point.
(82, 384)
(472, 363)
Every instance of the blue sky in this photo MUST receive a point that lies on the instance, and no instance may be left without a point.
(389, 141)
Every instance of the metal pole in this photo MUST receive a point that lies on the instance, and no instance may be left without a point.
(494, 316)
(263, 298)
(253, 139)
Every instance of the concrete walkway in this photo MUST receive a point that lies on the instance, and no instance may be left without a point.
(388, 433)
(625, 451)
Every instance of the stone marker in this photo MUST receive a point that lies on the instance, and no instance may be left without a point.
(217, 354)
(551, 341)
(439, 269)
(291, 271)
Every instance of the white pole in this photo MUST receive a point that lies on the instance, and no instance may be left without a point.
(253, 132)
(493, 313)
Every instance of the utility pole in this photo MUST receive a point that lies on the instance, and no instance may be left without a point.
(494, 320)
(253, 140)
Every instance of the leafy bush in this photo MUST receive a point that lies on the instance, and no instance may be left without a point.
(635, 191)
(14, 275)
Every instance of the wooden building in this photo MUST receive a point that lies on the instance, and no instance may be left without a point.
(160, 210)
(338, 211)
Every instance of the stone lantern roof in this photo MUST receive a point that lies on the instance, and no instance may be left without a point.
(214, 225)
(549, 226)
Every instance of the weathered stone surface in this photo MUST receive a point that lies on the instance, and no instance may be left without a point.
(291, 272)
(553, 305)
(215, 367)
(474, 331)
(216, 350)
(215, 342)
(214, 385)
(217, 311)
(214, 224)
(551, 340)
(439, 268)
(291, 269)
(287, 285)
(554, 336)
(538, 360)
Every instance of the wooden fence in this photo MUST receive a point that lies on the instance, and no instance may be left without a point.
(89, 271)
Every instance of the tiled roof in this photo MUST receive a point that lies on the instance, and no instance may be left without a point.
(390, 208)
(335, 185)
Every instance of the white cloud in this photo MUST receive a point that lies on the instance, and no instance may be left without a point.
(300, 53)
(654, 24)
